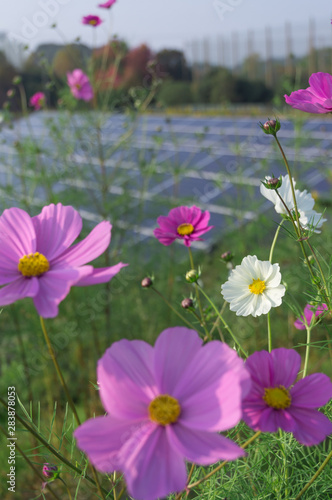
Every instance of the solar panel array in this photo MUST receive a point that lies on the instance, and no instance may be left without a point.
(154, 163)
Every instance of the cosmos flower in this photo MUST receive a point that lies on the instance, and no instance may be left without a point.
(184, 223)
(275, 401)
(93, 21)
(165, 404)
(80, 85)
(37, 261)
(253, 287)
(309, 218)
(107, 5)
(315, 99)
(37, 101)
(309, 312)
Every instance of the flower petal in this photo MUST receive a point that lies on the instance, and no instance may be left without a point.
(17, 234)
(100, 275)
(312, 426)
(101, 439)
(54, 286)
(90, 248)
(203, 448)
(56, 227)
(286, 364)
(127, 385)
(153, 469)
(312, 391)
(18, 289)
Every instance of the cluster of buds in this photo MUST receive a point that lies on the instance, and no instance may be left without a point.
(270, 127)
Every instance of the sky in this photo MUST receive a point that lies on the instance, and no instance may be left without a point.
(166, 23)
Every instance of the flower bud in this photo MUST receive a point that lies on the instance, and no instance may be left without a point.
(187, 303)
(272, 182)
(227, 256)
(192, 276)
(17, 80)
(270, 127)
(146, 282)
(10, 93)
(50, 471)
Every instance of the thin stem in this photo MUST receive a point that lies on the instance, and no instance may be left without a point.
(69, 494)
(307, 351)
(193, 485)
(224, 322)
(35, 470)
(50, 448)
(320, 270)
(173, 309)
(68, 396)
(203, 322)
(269, 334)
(192, 468)
(319, 471)
(59, 372)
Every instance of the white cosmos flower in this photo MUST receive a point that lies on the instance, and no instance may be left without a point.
(253, 287)
(309, 218)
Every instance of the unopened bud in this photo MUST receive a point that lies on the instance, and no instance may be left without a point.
(10, 93)
(146, 282)
(187, 303)
(270, 127)
(50, 471)
(227, 256)
(17, 80)
(192, 276)
(272, 182)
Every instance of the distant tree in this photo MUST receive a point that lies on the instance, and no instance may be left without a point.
(173, 64)
(7, 73)
(67, 59)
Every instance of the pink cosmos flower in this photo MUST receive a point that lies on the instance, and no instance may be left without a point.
(309, 312)
(93, 21)
(37, 101)
(36, 259)
(107, 5)
(80, 85)
(315, 99)
(165, 404)
(274, 401)
(185, 223)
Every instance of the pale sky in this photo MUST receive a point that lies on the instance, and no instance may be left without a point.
(164, 23)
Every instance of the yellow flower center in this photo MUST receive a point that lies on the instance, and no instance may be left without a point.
(164, 410)
(93, 22)
(33, 264)
(257, 286)
(78, 86)
(185, 228)
(277, 397)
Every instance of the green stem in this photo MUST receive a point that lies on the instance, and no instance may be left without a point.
(224, 322)
(307, 351)
(59, 372)
(203, 322)
(35, 470)
(269, 334)
(50, 448)
(172, 308)
(321, 272)
(69, 494)
(68, 396)
(193, 485)
(319, 471)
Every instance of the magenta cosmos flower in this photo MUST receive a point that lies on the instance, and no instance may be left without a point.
(107, 5)
(184, 223)
(80, 85)
(274, 401)
(37, 101)
(164, 405)
(315, 99)
(92, 20)
(36, 259)
(309, 312)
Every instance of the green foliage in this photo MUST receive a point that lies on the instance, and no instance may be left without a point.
(174, 93)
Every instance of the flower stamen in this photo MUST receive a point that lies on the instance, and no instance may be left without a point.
(33, 264)
(257, 286)
(164, 410)
(185, 229)
(277, 397)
